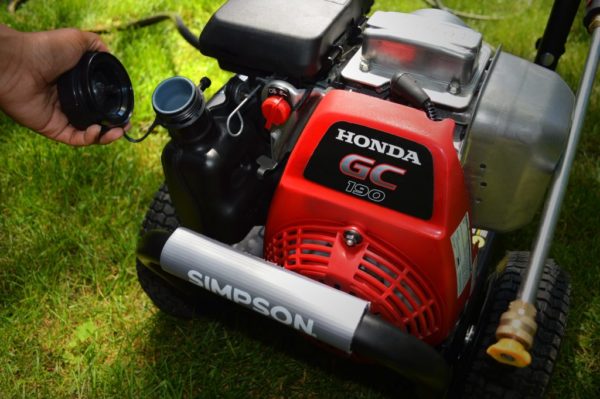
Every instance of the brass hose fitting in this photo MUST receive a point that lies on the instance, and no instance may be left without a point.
(515, 335)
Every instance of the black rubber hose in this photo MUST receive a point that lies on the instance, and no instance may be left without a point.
(140, 23)
(183, 30)
(407, 355)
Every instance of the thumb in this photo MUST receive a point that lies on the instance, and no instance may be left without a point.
(92, 42)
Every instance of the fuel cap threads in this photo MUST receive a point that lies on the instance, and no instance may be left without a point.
(96, 91)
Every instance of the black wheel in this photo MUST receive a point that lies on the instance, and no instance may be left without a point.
(161, 215)
(484, 377)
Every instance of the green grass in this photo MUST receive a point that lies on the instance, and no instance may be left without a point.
(73, 320)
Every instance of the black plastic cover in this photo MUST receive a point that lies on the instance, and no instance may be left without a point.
(286, 37)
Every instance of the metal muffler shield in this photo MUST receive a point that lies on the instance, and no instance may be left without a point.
(330, 315)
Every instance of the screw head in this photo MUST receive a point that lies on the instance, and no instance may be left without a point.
(352, 238)
(547, 59)
(365, 66)
(454, 87)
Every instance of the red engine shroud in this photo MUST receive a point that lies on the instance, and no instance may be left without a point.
(408, 262)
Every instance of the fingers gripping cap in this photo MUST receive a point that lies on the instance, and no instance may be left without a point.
(96, 91)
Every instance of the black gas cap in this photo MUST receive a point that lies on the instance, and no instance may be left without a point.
(96, 91)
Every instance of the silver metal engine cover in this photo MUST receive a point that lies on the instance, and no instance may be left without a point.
(515, 141)
(441, 53)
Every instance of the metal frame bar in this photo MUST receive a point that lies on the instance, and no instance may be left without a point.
(551, 46)
(543, 241)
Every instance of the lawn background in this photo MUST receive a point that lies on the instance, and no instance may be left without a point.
(73, 320)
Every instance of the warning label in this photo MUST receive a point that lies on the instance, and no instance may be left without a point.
(461, 247)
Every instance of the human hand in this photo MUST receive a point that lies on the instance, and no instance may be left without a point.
(30, 64)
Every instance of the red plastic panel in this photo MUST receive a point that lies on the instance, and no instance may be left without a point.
(407, 265)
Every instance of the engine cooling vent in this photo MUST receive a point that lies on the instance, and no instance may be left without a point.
(369, 271)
